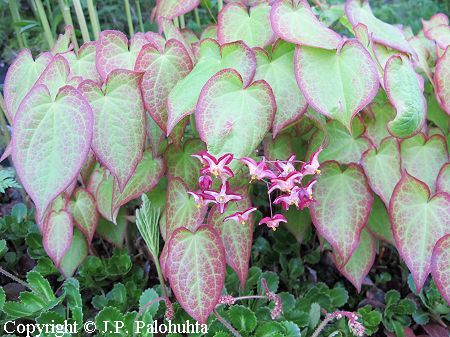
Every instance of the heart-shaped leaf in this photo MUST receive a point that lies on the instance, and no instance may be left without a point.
(278, 72)
(113, 51)
(379, 223)
(170, 9)
(423, 157)
(105, 194)
(383, 168)
(180, 162)
(279, 148)
(237, 23)
(295, 22)
(51, 141)
(196, 269)
(119, 122)
(82, 64)
(84, 212)
(357, 268)
(236, 237)
(418, 221)
(181, 209)
(337, 84)
(441, 78)
(440, 267)
(443, 180)
(440, 34)
(232, 117)
(76, 254)
(404, 88)
(435, 20)
(340, 220)
(359, 11)
(57, 235)
(248, 3)
(212, 58)
(376, 118)
(343, 147)
(21, 76)
(162, 70)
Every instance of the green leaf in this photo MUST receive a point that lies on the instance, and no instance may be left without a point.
(84, 212)
(112, 233)
(2, 298)
(83, 63)
(292, 330)
(423, 157)
(147, 222)
(212, 58)
(107, 321)
(405, 92)
(298, 222)
(242, 318)
(146, 297)
(252, 26)
(232, 118)
(440, 268)
(40, 286)
(71, 289)
(270, 329)
(371, 319)
(279, 148)
(338, 296)
(376, 117)
(338, 84)
(58, 235)
(340, 220)
(75, 255)
(379, 223)
(314, 315)
(419, 220)
(19, 212)
(53, 318)
(442, 72)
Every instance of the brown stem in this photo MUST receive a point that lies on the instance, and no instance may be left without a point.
(15, 278)
(226, 324)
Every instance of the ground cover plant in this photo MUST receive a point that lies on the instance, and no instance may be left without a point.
(251, 177)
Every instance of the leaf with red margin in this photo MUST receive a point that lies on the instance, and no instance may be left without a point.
(62, 44)
(51, 141)
(84, 212)
(436, 20)
(88, 168)
(337, 84)
(119, 122)
(21, 76)
(114, 233)
(440, 34)
(440, 266)
(210, 32)
(181, 209)
(236, 237)
(423, 157)
(379, 224)
(343, 147)
(443, 180)
(212, 58)
(295, 22)
(376, 117)
(170, 9)
(104, 195)
(147, 175)
(162, 70)
(75, 255)
(155, 136)
(359, 11)
(418, 221)
(95, 179)
(232, 117)
(252, 26)
(57, 235)
(404, 88)
(172, 32)
(249, 3)
(180, 162)
(196, 269)
(189, 35)
(279, 148)
(442, 80)
(340, 219)
(82, 64)
(383, 168)
(278, 72)
(163, 259)
(425, 50)
(114, 52)
(361, 261)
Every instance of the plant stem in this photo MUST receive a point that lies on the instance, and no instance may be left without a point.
(226, 324)
(129, 19)
(209, 11)
(219, 5)
(197, 18)
(139, 14)
(3, 123)
(14, 9)
(182, 23)
(65, 10)
(160, 275)
(149, 303)
(49, 9)
(94, 18)
(81, 21)
(176, 22)
(16, 279)
(322, 325)
(44, 21)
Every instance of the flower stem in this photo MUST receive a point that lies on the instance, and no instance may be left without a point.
(182, 23)
(197, 18)
(16, 279)
(14, 9)
(93, 16)
(3, 123)
(139, 14)
(81, 21)
(226, 324)
(65, 10)
(322, 325)
(129, 19)
(219, 5)
(44, 21)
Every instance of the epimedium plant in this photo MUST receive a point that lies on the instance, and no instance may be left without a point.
(351, 125)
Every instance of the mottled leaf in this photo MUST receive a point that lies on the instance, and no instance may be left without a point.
(376, 119)
(443, 180)
(75, 255)
(57, 235)
(440, 266)
(170, 9)
(379, 223)
(84, 212)
(442, 80)
(83, 63)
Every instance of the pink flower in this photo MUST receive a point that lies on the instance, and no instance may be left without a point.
(223, 197)
(241, 217)
(285, 184)
(258, 171)
(204, 182)
(201, 199)
(286, 167)
(287, 200)
(273, 222)
(312, 166)
(305, 195)
(218, 167)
